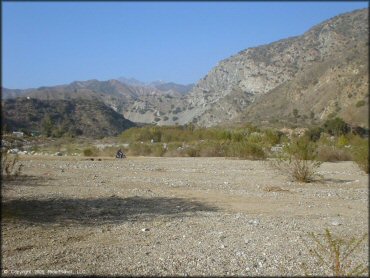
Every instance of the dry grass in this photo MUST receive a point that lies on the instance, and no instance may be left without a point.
(333, 154)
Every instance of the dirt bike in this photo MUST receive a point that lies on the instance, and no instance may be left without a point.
(120, 155)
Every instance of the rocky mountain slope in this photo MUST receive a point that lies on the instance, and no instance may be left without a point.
(300, 80)
(137, 101)
(323, 73)
(58, 117)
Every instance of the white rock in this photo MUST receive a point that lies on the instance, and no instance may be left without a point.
(254, 222)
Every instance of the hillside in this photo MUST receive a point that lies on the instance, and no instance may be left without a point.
(84, 117)
(139, 102)
(322, 74)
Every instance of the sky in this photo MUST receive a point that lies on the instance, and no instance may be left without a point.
(52, 43)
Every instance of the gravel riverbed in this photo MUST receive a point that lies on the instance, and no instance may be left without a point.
(175, 217)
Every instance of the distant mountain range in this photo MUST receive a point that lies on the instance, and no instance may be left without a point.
(300, 80)
(135, 100)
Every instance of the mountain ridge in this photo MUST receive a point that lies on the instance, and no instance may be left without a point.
(301, 80)
(231, 87)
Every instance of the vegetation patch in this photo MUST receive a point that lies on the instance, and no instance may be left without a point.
(298, 160)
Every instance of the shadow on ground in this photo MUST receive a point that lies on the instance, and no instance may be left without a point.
(24, 180)
(99, 211)
(337, 181)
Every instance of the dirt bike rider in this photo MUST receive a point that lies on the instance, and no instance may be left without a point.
(120, 154)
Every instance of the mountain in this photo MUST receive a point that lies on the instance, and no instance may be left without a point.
(139, 103)
(170, 86)
(90, 118)
(165, 87)
(300, 80)
(321, 74)
(131, 81)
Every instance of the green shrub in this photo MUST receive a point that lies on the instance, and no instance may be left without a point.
(92, 151)
(157, 150)
(212, 149)
(254, 138)
(298, 160)
(87, 152)
(192, 151)
(314, 133)
(246, 151)
(342, 141)
(325, 139)
(271, 137)
(360, 103)
(139, 149)
(360, 153)
(336, 127)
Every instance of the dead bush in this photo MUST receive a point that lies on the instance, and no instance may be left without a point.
(333, 154)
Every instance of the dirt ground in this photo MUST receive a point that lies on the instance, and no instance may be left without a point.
(174, 216)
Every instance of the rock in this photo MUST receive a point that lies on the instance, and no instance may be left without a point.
(13, 151)
(145, 229)
(253, 222)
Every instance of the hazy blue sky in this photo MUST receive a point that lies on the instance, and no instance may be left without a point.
(50, 43)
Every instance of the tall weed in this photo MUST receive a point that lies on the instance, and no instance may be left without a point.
(334, 254)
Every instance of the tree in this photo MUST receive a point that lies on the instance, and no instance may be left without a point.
(314, 133)
(47, 125)
(336, 127)
(295, 113)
